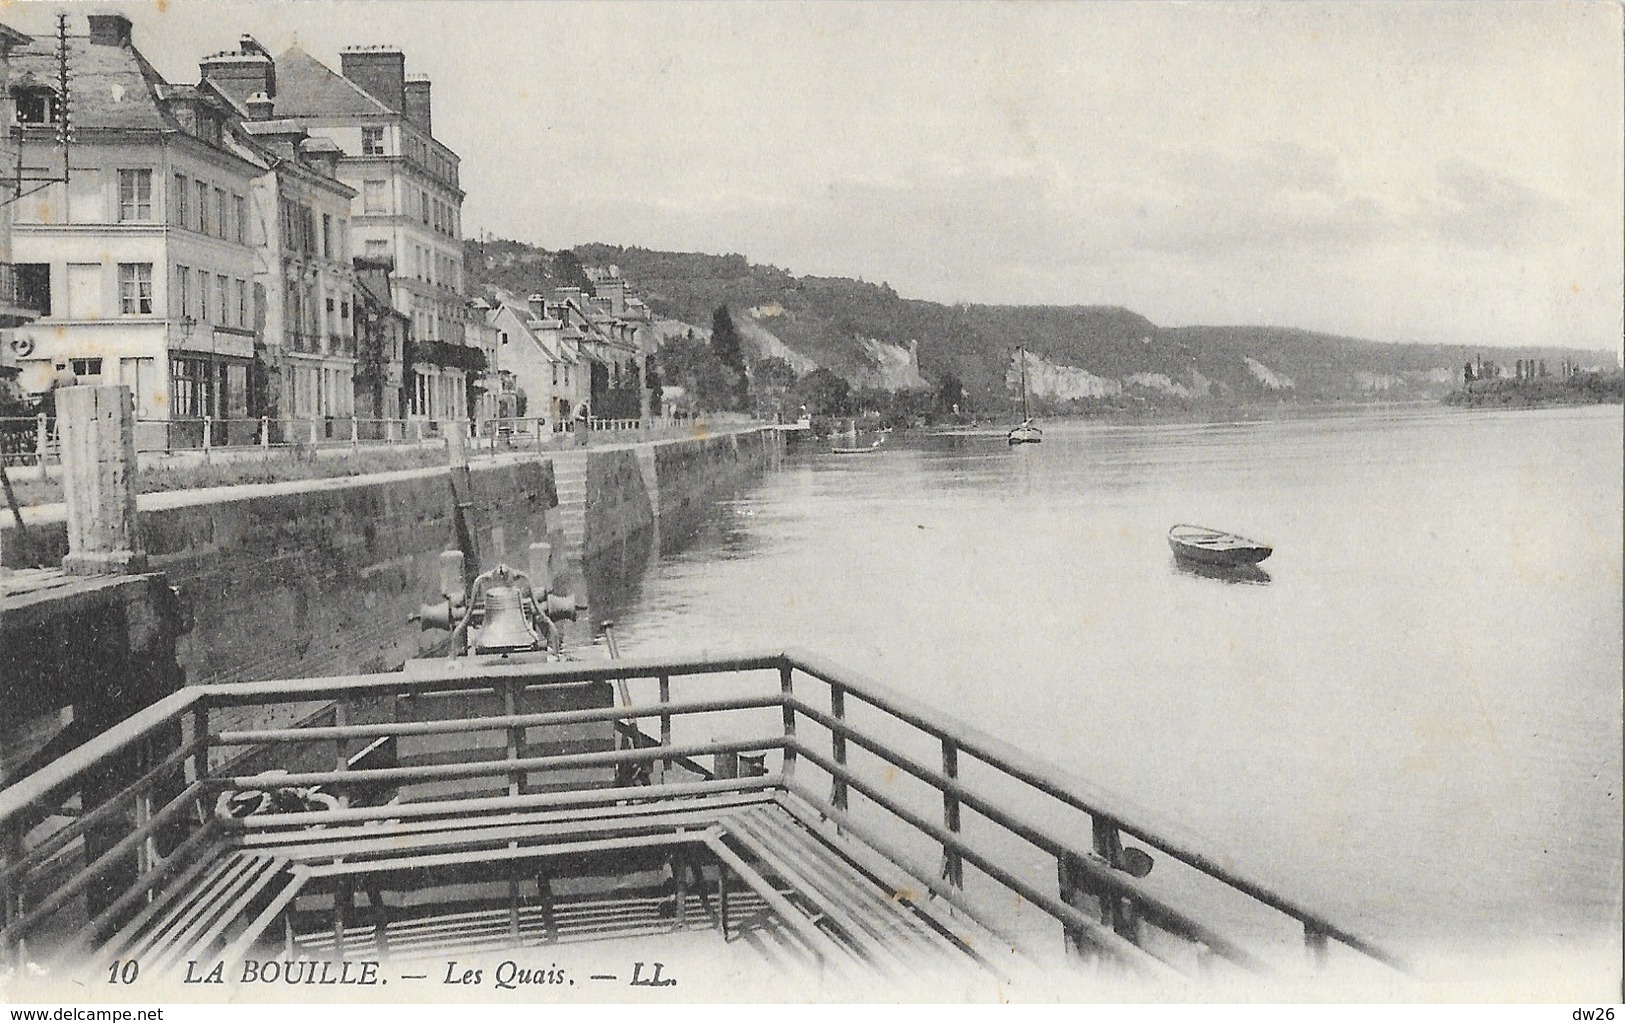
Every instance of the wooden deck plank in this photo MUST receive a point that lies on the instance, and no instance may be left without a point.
(828, 951)
(871, 903)
(275, 869)
(791, 869)
(994, 950)
(256, 927)
(208, 907)
(183, 905)
(178, 888)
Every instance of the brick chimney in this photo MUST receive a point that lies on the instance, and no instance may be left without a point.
(109, 30)
(380, 70)
(259, 106)
(417, 103)
(241, 73)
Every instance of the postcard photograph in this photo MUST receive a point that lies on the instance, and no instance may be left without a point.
(522, 504)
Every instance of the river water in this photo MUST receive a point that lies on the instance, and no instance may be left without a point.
(1413, 721)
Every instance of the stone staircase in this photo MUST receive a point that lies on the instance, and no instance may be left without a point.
(569, 519)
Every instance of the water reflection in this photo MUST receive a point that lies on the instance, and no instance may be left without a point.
(1245, 574)
(614, 577)
(1394, 730)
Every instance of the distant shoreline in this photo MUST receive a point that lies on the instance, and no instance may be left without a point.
(1161, 415)
(1541, 392)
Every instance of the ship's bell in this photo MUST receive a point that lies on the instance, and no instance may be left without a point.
(506, 628)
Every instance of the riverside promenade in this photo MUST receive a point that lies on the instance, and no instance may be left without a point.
(107, 607)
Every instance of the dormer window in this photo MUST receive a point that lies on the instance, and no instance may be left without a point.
(372, 141)
(37, 105)
(208, 127)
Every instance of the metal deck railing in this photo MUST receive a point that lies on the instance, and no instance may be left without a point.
(104, 829)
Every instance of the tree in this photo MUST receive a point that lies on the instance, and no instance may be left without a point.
(725, 345)
(568, 271)
(824, 393)
(770, 379)
(691, 364)
(773, 371)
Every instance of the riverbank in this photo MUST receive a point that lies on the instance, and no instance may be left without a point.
(1175, 415)
(1544, 392)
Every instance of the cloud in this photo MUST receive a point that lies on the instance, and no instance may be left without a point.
(1480, 209)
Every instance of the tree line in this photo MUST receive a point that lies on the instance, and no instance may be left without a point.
(715, 375)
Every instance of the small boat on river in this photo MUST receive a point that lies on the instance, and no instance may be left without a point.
(856, 449)
(1024, 432)
(1215, 546)
(847, 443)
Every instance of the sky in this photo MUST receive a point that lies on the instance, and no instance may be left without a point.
(1437, 172)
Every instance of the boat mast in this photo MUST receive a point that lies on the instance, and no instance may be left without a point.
(1024, 415)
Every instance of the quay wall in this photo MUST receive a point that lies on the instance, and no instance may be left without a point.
(322, 577)
(77, 655)
(690, 474)
(619, 503)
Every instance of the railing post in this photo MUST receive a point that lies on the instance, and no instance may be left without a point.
(953, 867)
(1116, 912)
(665, 722)
(516, 736)
(1315, 942)
(722, 899)
(146, 854)
(42, 444)
(1069, 879)
(195, 734)
(208, 435)
(789, 770)
(355, 431)
(265, 433)
(343, 903)
(341, 717)
(313, 438)
(837, 744)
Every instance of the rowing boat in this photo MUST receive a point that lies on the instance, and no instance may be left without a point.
(1215, 546)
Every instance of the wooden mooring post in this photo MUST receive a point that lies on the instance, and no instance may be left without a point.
(97, 430)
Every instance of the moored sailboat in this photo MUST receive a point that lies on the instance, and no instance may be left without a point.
(1024, 432)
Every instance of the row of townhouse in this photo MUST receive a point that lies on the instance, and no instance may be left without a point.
(568, 354)
(207, 243)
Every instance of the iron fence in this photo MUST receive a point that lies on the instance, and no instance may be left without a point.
(29, 440)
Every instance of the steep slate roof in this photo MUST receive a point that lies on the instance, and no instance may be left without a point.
(305, 87)
(522, 315)
(111, 86)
